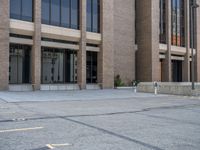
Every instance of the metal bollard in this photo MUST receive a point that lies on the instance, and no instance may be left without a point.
(134, 87)
(155, 88)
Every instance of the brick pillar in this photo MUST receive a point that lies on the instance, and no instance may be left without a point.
(105, 56)
(186, 62)
(197, 45)
(82, 49)
(147, 60)
(166, 68)
(4, 44)
(36, 49)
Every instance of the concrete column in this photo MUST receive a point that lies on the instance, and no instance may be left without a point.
(105, 56)
(124, 40)
(4, 44)
(147, 60)
(36, 49)
(186, 62)
(82, 50)
(166, 68)
(197, 45)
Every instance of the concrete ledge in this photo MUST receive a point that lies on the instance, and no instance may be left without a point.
(20, 88)
(59, 87)
(182, 88)
(93, 87)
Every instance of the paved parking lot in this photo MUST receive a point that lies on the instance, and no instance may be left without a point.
(98, 120)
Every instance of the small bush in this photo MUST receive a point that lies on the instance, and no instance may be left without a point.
(118, 81)
(135, 82)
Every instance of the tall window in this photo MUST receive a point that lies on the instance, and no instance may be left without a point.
(93, 16)
(19, 66)
(59, 66)
(21, 9)
(162, 22)
(91, 67)
(64, 13)
(178, 25)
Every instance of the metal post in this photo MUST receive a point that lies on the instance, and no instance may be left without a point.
(192, 45)
(193, 7)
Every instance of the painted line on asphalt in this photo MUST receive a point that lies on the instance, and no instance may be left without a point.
(22, 129)
(52, 146)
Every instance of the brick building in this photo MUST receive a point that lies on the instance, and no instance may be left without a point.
(83, 44)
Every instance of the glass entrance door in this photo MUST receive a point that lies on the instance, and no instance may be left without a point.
(19, 64)
(91, 67)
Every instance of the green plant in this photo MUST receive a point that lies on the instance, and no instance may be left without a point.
(118, 81)
(135, 82)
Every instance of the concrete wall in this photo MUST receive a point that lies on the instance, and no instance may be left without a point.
(170, 88)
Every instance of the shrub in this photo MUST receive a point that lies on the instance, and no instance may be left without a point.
(118, 81)
(135, 82)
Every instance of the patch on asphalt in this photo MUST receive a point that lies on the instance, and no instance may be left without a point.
(42, 148)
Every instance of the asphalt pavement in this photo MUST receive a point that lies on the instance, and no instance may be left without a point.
(98, 120)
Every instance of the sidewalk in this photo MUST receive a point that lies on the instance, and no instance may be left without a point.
(70, 95)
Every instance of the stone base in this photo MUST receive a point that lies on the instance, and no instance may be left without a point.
(93, 87)
(183, 88)
(20, 88)
(59, 87)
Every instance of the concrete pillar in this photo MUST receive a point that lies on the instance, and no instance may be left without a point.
(36, 49)
(166, 68)
(105, 56)
(124, 40)
(82, 50)
(4, 44)
(186, 62)
(147, 60)
(197, 44)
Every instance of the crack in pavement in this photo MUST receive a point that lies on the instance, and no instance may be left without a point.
(53, 116)
(115, 134)
(168, 118)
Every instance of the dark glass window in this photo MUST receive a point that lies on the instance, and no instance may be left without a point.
(59, 66)
(162, 22)
(19, 64)
(55, 12)
(46, 11)
(74, 13)
(21, 9)
(91, 67)
(89, 15)
(64, 13)
(178, 25)
(15, 9)
(93, 16)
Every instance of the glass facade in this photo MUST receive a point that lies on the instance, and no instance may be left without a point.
(59, 66)
(178, 23)
(64, 13)
(91, 67)
(93, 16)
(162, 22)
(177, 20)
(21, 9)
(19, 64)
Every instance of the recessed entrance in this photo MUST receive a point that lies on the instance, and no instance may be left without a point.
(91, 67)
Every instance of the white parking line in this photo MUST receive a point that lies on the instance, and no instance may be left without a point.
(22, 129)
(52, 146)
